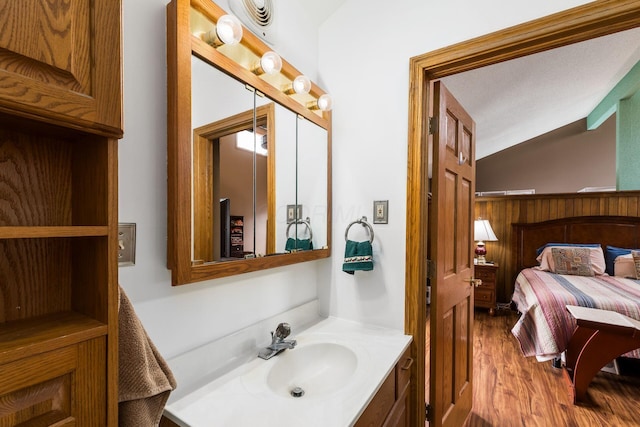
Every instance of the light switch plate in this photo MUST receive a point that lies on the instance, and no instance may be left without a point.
(293, 212)
(126, 244)
(381, 212)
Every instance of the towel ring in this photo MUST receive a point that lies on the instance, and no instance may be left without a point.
(365, 224)
(306, 222)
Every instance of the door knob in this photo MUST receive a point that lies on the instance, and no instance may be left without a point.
(474, 282)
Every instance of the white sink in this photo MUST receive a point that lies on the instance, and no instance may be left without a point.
(339, 364)
(318, 369)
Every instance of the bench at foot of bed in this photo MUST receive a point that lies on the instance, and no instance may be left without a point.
(600, 337)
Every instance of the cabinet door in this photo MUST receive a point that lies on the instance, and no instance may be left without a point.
(59, 62)
(63, 387)
(399, 416)
(381, 404)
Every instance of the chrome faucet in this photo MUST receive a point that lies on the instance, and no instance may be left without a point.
(278, 342)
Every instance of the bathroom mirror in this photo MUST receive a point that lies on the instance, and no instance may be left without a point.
(312, 191)
(231, 209)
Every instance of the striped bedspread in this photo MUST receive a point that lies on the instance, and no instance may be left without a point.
(545, 327)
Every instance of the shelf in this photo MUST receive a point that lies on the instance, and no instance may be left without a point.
(24, 338)
(48, 231)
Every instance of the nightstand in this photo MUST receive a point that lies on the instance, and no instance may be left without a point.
(485, 293)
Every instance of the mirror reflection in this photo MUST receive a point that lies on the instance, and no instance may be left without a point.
(245, 175)
(311, 183)
(229, 168)
(285, 172)
(258, 186)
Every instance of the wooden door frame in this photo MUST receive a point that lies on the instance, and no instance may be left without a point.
(204, 139)
(596, 19)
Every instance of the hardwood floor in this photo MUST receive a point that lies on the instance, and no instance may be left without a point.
(511, 390)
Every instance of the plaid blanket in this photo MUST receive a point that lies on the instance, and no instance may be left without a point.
(545, 326)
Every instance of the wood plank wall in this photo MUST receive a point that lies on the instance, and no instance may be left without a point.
(502, 211)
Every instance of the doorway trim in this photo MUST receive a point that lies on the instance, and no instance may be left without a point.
(595, 19)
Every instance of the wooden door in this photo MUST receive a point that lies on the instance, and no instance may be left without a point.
(450, 241)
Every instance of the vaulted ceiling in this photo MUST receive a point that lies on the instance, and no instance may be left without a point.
(515, 101)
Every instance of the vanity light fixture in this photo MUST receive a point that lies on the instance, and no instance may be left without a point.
(228, 30)
(300, 85)
(324, 103)
(270, 63)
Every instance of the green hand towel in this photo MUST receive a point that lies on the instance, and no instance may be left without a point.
(358, 256)
(298, 244)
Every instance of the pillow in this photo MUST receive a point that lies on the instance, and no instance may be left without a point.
(572, 261)
(577, 245)
(596, 258)
(636, 261)
(624, 266)
(611, 253)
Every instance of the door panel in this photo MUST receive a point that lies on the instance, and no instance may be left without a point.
(450, 243)
(448, 225)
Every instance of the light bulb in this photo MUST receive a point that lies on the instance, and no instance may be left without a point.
(271, 63)
(325, 102)
(229, 29)
(301, 84)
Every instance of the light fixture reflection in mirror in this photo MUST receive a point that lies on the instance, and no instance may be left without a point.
(300, 85)
(270, 63)
(228, 30)
(324, 103)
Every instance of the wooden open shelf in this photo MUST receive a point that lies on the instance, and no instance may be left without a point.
(46, 232)
(24, 338)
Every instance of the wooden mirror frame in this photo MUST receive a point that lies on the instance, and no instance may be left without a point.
(181, 45)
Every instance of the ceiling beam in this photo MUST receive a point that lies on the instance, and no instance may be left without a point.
(624, 89)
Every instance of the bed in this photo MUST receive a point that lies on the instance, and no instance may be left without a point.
(545, 327)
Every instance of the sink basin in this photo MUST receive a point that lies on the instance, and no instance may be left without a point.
(318, 369)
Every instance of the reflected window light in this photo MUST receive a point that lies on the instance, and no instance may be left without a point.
(244, 141)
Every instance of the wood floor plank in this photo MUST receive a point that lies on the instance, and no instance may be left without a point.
(511, 390)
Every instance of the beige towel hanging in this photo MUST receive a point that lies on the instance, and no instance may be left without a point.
(145, 379)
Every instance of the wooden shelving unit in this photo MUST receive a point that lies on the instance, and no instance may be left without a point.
(236, 236)
(60, 121)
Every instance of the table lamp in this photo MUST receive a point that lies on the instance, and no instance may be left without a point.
(482, 233)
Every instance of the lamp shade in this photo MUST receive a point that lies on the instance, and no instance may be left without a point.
(482, 231)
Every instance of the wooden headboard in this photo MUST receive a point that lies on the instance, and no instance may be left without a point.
(620, 231)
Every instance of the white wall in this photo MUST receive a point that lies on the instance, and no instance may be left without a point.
(364, 64)
(181, 318)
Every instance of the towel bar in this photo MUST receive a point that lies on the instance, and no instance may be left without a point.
(365, 224)
(306, 222)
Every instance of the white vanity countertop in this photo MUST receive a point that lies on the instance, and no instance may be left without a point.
(242, 397)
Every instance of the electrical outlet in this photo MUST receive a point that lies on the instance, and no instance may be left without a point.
(126, 244)
(381, 212)
(293, 212)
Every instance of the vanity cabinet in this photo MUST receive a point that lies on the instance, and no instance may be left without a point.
(390, 406)
(60, 121)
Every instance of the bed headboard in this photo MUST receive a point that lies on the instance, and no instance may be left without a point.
(620, 231)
